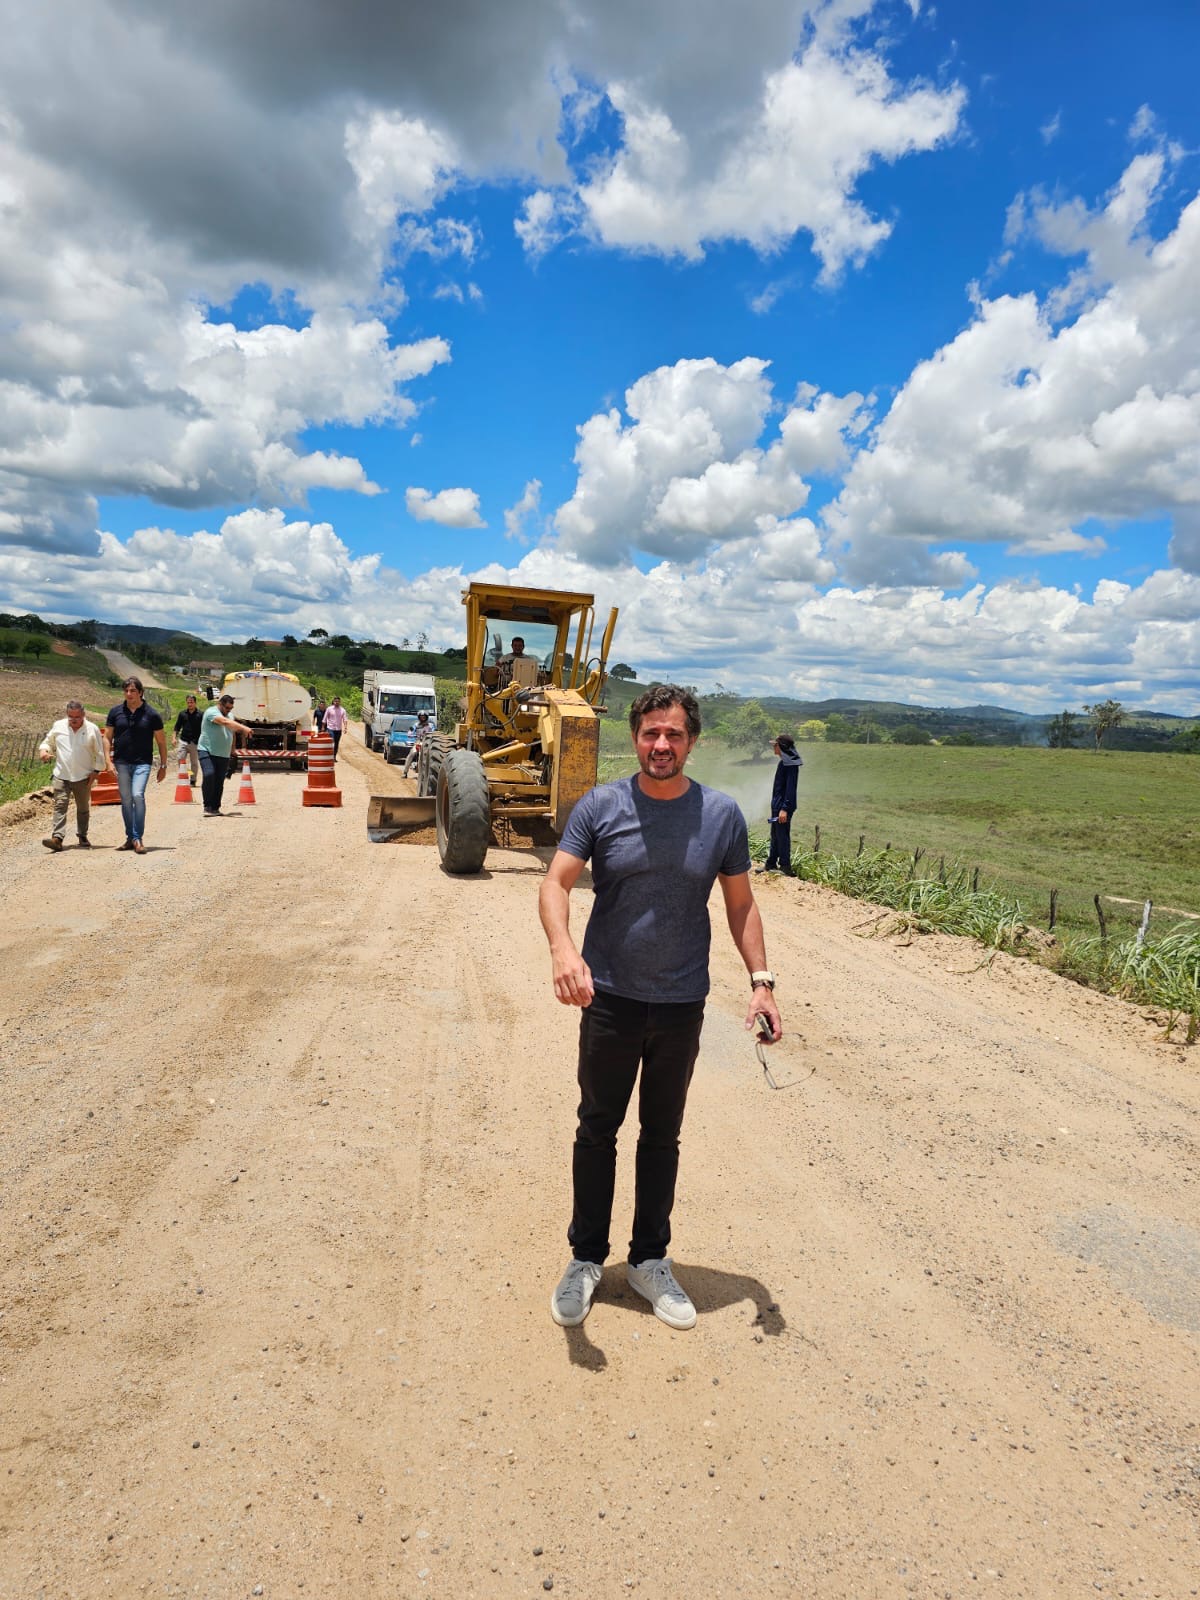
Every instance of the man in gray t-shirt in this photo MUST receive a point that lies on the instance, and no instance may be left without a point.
(657, 843)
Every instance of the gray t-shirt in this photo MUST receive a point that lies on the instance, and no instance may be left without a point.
(654, 863)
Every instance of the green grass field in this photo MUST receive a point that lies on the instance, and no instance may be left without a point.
(1118, 824)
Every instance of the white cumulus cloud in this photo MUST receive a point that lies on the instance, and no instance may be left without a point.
(519, 516)
(1024, 427)
(691, 468)
(789, 164)
(451, 508)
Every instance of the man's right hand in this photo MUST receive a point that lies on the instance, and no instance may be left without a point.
(573, 980)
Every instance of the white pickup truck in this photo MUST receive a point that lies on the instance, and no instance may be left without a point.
(390, 701)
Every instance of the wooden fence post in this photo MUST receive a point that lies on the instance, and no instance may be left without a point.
(861, 837)
(817, 839)
(1100, 914)
(975, 881)
(1141, 933)
(1053, 908)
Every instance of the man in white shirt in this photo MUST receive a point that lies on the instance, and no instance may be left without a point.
(77, 750)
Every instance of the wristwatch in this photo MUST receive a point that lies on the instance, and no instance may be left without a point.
(762, 980)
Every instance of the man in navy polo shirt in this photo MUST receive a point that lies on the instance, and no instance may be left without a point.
(130, 735)
(657, 843)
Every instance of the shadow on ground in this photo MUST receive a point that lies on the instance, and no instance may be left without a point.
(710, 1289)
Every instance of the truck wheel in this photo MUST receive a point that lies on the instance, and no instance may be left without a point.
(429, 764)
(464, 812)
(369, 736)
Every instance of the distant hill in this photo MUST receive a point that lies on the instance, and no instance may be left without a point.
(986, 724)
(114, 633)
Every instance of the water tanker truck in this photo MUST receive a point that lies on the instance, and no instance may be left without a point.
(279, 709)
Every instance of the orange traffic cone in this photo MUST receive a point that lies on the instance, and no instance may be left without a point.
(246, 792)
(183, 784)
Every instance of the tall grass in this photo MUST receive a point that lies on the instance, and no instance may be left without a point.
(1162, 972)
(15, 783)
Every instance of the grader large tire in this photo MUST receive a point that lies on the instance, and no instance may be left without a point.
(429, 764)
(464, 812)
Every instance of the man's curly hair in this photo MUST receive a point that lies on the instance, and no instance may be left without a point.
(659, 697)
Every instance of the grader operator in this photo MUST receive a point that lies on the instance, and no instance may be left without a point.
(527, 742)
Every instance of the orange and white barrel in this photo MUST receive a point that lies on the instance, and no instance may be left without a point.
(321, 788)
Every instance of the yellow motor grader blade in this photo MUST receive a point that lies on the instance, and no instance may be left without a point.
(390, 814)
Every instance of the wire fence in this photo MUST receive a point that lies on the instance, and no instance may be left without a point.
(18, 751)
(919, 866)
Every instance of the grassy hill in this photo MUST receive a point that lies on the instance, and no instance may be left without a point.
(336, 667)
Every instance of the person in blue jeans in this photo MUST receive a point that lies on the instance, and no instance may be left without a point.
(131, 732)
(657, 842)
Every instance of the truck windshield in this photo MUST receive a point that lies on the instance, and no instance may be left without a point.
(392, 701)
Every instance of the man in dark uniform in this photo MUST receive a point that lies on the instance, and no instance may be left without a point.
(783, 806)
(130, 735)
(187, 731)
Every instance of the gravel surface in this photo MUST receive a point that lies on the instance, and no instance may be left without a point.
(286, 1143)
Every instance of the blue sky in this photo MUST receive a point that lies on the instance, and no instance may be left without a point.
(851, 349)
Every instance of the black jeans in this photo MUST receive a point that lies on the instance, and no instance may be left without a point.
(212, 783)
(615, 1036)
(781, 847)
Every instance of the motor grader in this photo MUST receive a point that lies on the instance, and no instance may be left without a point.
(527, 742)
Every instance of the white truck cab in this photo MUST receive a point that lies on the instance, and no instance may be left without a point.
(391, 695)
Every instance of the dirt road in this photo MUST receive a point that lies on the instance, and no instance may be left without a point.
(125, 668)
(285, 1150)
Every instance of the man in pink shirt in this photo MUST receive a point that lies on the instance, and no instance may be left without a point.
(335, 722)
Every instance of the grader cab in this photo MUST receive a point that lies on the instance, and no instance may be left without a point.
(527, 742)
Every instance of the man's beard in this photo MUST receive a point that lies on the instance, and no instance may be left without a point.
(664, 770)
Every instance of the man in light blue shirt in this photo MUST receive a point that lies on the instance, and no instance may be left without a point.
(217, 728)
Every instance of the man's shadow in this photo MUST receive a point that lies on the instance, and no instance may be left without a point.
(709, 1289)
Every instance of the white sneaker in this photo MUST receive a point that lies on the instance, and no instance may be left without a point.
(656, 1282)
(572, 1300)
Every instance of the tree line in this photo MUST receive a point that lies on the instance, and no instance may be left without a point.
(750, 726)
(1102, 718)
